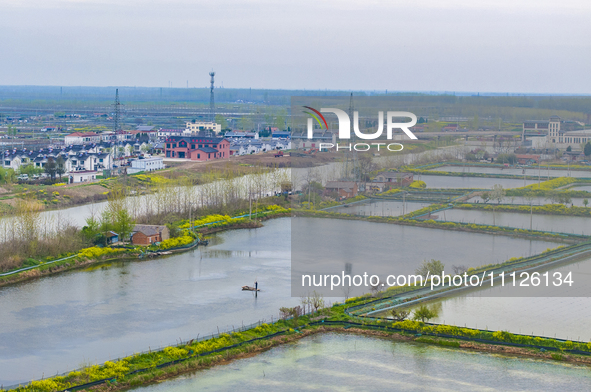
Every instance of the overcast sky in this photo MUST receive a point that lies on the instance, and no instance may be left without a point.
(537, 46)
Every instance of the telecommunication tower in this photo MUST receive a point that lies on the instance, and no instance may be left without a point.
(211, 100)
(116, 111)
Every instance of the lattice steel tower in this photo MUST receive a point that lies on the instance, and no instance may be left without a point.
(211, 100)
(117, 111)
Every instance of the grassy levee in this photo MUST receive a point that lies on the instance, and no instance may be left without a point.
(100, 255)
(155, 366)
(408, 220)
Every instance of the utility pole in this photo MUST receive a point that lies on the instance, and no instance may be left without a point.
(539, 175)
(531, 213)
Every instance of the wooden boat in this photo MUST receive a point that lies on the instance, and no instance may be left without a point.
(249, 288)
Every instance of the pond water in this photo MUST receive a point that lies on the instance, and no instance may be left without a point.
(544, 173)
(447, 182)
(57, 323)
(505, 308)
(538, 201)
(60, 322)
(347, 362)
(580, 188)
(164, 200)
(332, 246)
(380, 208)
(554, 223)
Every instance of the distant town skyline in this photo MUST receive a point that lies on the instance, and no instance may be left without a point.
(427, 45)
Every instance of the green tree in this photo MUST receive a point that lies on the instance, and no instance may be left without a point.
(585, 202)
(475, 122)
(569, 149)
(219, 119)
(11, 131)
(498, 193)
(423, 313)
(587, 149)
(507, 158)
(105, 225)
(399, 315)
(280, 119)
(7, 176)
(29, 169)
(50, 168)
(432, 267)
(123, 223)
(92, 228)
(60, 167)
(121, 220)
(246, 123)
(485, 197)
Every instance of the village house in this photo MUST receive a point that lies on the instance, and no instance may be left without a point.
(241, 135)
(82, 138)
(394, 179)
(149, 234)
(82, 176)
(527, 159)
(344, 189)
(146, 165)
(301, 141)
(197, 148)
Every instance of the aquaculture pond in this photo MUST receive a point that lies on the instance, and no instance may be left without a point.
(543, 172)
(562, 313)
(458, 182)
(332, 246)
(537, 201)
(554, 223)
(347, 362)
(375, 207)
(61, 322)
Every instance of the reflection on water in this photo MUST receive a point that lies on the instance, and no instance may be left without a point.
(375, 207)
(581, 188)
(542, 312)
(451, 182)
(543, 173)
(341, 362)
(538, 201)
(324, 246)
(55, 323)
(555, 223)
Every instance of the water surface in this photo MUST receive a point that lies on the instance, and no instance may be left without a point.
(375, 207)
(542, 172)
(57, 323)
(554, 223)
(345, 362)
(453, 182)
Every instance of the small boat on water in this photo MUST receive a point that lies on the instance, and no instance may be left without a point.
(249, 288)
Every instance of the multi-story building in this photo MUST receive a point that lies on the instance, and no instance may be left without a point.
(196, 127)
(197, 148)
(554, 133)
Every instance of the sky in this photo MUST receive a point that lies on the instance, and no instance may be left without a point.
(536, 46)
